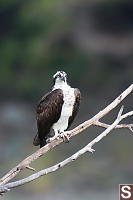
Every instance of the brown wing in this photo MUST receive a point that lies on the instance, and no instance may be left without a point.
(76, 106)
(48, 112)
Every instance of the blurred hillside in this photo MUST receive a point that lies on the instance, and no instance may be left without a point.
(93, 42)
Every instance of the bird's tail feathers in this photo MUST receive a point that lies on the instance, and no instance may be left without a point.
(36, 141)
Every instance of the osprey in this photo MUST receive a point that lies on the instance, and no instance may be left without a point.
(57, 110)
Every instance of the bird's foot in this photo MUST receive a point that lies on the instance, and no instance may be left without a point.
(65, 135)
(49, 140)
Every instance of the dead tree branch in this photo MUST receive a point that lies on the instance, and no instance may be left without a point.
(93, 121)
(87, 148)
(103, 125)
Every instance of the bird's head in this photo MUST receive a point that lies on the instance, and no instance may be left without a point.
(60, 77)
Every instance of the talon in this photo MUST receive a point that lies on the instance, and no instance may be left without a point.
(68, 133)
(57, 137)
(49, 140)
(65, 136)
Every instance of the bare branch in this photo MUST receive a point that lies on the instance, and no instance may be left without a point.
(87, 148)
(127, 115)
(130, 128)
(30, 168)
(102, 113)
(26, 162)
(103, 125)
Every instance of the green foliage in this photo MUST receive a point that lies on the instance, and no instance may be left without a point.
(39, 37)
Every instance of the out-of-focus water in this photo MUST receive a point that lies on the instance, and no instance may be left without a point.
(68, 194)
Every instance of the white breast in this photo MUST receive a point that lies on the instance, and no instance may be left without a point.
(67, 109)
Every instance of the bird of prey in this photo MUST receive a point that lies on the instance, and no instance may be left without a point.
(56, 110)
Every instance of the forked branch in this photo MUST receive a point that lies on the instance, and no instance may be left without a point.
(87, 148)
(93, 121)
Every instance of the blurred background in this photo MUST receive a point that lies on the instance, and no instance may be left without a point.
(92, 41)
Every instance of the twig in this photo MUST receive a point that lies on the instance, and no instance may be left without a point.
(30, 168)
(26, 162)
(103, 125)
(87, 148)
(130, 128)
